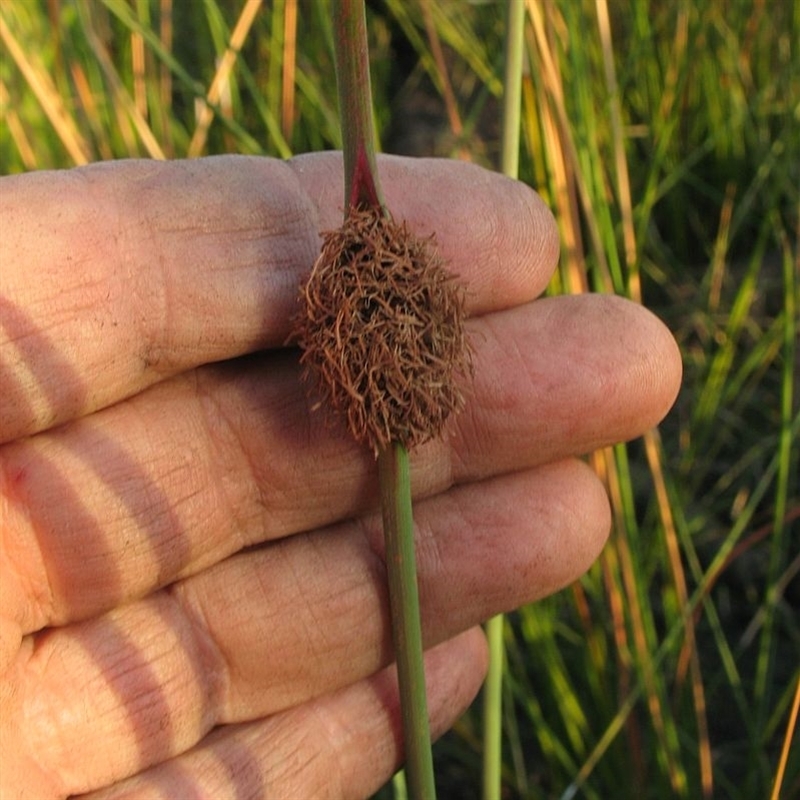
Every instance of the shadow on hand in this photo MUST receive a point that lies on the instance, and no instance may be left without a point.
(78, 554)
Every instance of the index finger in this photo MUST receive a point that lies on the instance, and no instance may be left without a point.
(119, 274)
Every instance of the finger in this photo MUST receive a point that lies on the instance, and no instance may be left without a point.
(178, 478)
(346, 744)
(504, 260)
(270, 629)
(155, 267)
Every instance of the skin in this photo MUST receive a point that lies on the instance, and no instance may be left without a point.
(192, 586)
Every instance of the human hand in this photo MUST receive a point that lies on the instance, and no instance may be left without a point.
(192, 598)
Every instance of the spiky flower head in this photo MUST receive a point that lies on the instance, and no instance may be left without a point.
(382, 331)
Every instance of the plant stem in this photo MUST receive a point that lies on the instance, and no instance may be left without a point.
(493, 687)
(398, 531)
(493, 710)
(512, 88)
(362, 187)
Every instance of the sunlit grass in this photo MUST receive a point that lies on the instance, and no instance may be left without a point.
(664, 136)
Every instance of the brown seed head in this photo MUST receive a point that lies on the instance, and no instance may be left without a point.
(381, 331)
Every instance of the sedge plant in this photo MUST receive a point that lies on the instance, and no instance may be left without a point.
(382, 334)
(493, 688)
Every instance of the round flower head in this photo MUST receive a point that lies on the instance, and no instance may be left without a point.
(382, 331)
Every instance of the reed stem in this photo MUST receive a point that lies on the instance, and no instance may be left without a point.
(398, 531)
(493, 687)
(362, 188)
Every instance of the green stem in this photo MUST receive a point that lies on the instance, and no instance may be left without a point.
(398, 531)
(493, 711)
(512, 87)
(362, 187)
(493, 688)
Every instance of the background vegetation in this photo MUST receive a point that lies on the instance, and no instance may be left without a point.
(665, 136)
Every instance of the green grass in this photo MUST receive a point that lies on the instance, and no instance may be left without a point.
(666, 143)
